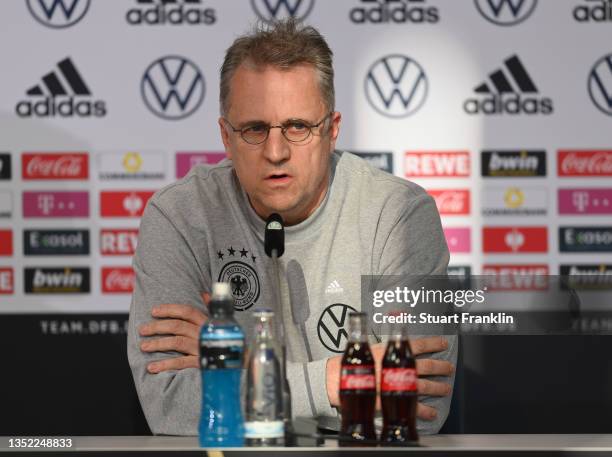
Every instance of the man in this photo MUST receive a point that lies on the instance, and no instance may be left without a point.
(344, 219)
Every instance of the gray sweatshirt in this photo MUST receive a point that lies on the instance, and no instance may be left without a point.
(202, 229)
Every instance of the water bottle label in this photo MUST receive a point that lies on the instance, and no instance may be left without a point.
(264, 429)
(398, 380)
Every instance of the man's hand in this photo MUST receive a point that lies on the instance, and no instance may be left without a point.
(425, 367)
(179, 327)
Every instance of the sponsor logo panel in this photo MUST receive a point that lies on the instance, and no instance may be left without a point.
(117, 280)
(7, 282)
(172, 87)
(6, 243)
(131, 165)
(55, 204)
(170, 12)
(5, 166)
(381, 160)
(458, 239)
(60, 280)
(506, 12)
(515, 164)
(56, 242)
(186, 160)
(459, 270)
(585, 201)
(437, 164)
(63, 93)
(509, 90)
(587, 276)
(396, 86)
(58, 14)
(600, 84)
(585, 239)
(118, 241)
(516, 277)
(515, 239)
(451, 202)
(584, 163)
(64, 166)
(394, 11)
(515, 201)
(275, 10)
(123, 203)
(6, 203)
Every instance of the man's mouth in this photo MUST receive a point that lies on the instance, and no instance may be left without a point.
(278, 176)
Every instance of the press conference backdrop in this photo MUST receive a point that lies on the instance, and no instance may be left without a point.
(501, 109)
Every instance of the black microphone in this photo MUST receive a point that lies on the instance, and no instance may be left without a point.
(300, 304)
(274, 237)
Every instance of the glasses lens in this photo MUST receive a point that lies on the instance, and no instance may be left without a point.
(255, 134)
(297, 131)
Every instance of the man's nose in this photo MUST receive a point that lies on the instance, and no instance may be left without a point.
(276, 147)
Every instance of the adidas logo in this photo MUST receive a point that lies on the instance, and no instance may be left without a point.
(595, 11)
(61, 93)
(171, 12)
(334, 288)
(509, 90)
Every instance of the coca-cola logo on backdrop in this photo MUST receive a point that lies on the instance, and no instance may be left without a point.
(584, 163)
(452, 201)
(55, 165)
(117, 280)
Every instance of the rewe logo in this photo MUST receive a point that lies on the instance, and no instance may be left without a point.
(600, 84)
(584, 163)
(118, 241)
(437, 164)
(396, 86)
(6, 281)
(58, 14)
(62, 93)
(510, 90)
(505, 12)
(69, 280)
(516, 164)
(276, 10)
(594, 10)
(395, 11)
(172, 87)
(516, 277)
(171, 12)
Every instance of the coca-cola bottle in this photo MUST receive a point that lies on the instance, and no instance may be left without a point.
(398, 391)
(357, 385)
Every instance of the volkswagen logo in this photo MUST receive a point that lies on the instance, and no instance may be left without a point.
(332, 327)
(505, 12)
(276, 10)
(396, 86)
(172, 87)
(58, 14)
(600, 84)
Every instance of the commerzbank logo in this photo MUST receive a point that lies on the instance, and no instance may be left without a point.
(600, 84)
(277, 10)
(58, 14)
(396, 86)
(172, 87)
(505, 12)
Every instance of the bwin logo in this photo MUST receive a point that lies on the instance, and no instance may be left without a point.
(509, 91)
(600, 84)
(172, 87)
(62, 93)
(505, 12)
(276, 10)
(396, 86)
(58, 14)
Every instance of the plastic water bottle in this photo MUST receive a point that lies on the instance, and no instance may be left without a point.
(221, 356)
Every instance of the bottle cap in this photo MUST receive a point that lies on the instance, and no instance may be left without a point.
(222, 298)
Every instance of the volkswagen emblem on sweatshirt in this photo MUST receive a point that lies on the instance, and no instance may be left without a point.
(332, 327)
(244, 283)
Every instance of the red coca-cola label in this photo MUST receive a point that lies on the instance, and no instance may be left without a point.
(117, 280)
(585, 163)
(55, 166)
(452, 201)
(358, 378)
(399, 380)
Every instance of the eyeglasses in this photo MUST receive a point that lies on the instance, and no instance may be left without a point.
(294, 130)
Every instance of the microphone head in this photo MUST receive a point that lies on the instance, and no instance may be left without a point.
(274, 237)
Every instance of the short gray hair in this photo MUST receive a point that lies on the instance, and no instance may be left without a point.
(284, 44)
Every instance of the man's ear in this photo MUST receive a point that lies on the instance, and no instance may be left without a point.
(225, 138)
(334, 129)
